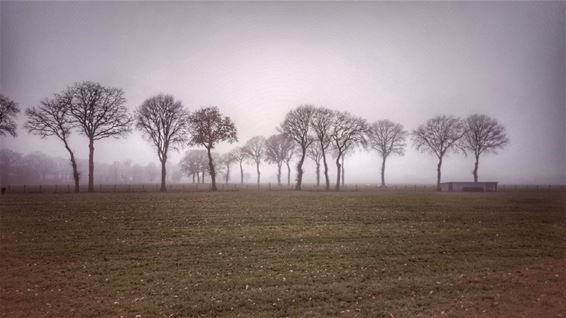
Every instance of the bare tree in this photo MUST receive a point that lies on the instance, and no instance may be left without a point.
(208, 127)
(52, 118)
(483, 134)
(255, 150)
(240, 156)
(164, 122)
(277, 150)
(99, 112)
(322, 121)
(348, 131)
(228, 159)
(387, 138)
(193, 163)
(439, 135)
(315, 153)
(297, 126)
(8, 111)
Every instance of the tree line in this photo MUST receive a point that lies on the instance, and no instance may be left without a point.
(318, 133)
(39, 168)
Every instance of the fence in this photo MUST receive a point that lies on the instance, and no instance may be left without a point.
(203, 187)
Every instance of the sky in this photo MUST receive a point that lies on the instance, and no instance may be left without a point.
(402, 61)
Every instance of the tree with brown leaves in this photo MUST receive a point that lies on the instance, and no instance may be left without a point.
(209, 127)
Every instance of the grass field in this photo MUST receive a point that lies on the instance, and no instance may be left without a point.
(283, 254)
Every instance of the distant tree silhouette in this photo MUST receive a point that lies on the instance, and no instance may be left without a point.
(9, 161)
(255, 151)
(277, 150)
(297, 126)
(151, 171)
(439, 135)
(322, 122)
(99, 112)
(38, 166)
(387, 138)
(8, 111)
(227, 160)
(315, 153)
(288, 158)
(483, 134)
(165, 123)
(209, 127)
(193, 163)
(240, 156)
(348, 131)
(52, 118)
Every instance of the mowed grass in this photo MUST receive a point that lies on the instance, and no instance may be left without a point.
(283, 254)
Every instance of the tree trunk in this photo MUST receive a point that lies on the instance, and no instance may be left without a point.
(300, 169)
(74, 165)
(383, 172)
(163, 175)
(279, 164)
(211, 168)
(325, 170)
(288, 174)
(193, 178)
(91, 165)
(318, 174)
(241, 173)
(476, 168)
(258, 174)
(342, 170)
(338, 172)
(438, 167)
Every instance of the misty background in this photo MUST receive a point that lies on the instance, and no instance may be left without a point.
(404, 61)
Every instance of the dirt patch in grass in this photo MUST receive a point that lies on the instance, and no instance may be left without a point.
(283, 254)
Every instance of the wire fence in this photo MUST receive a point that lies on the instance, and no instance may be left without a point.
(204, 187)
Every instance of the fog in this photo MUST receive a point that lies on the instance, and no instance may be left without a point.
(405, 61)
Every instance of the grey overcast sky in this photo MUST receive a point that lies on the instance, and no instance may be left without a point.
(403, 61)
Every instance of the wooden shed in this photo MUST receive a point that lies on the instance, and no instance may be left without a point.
(468, 187)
